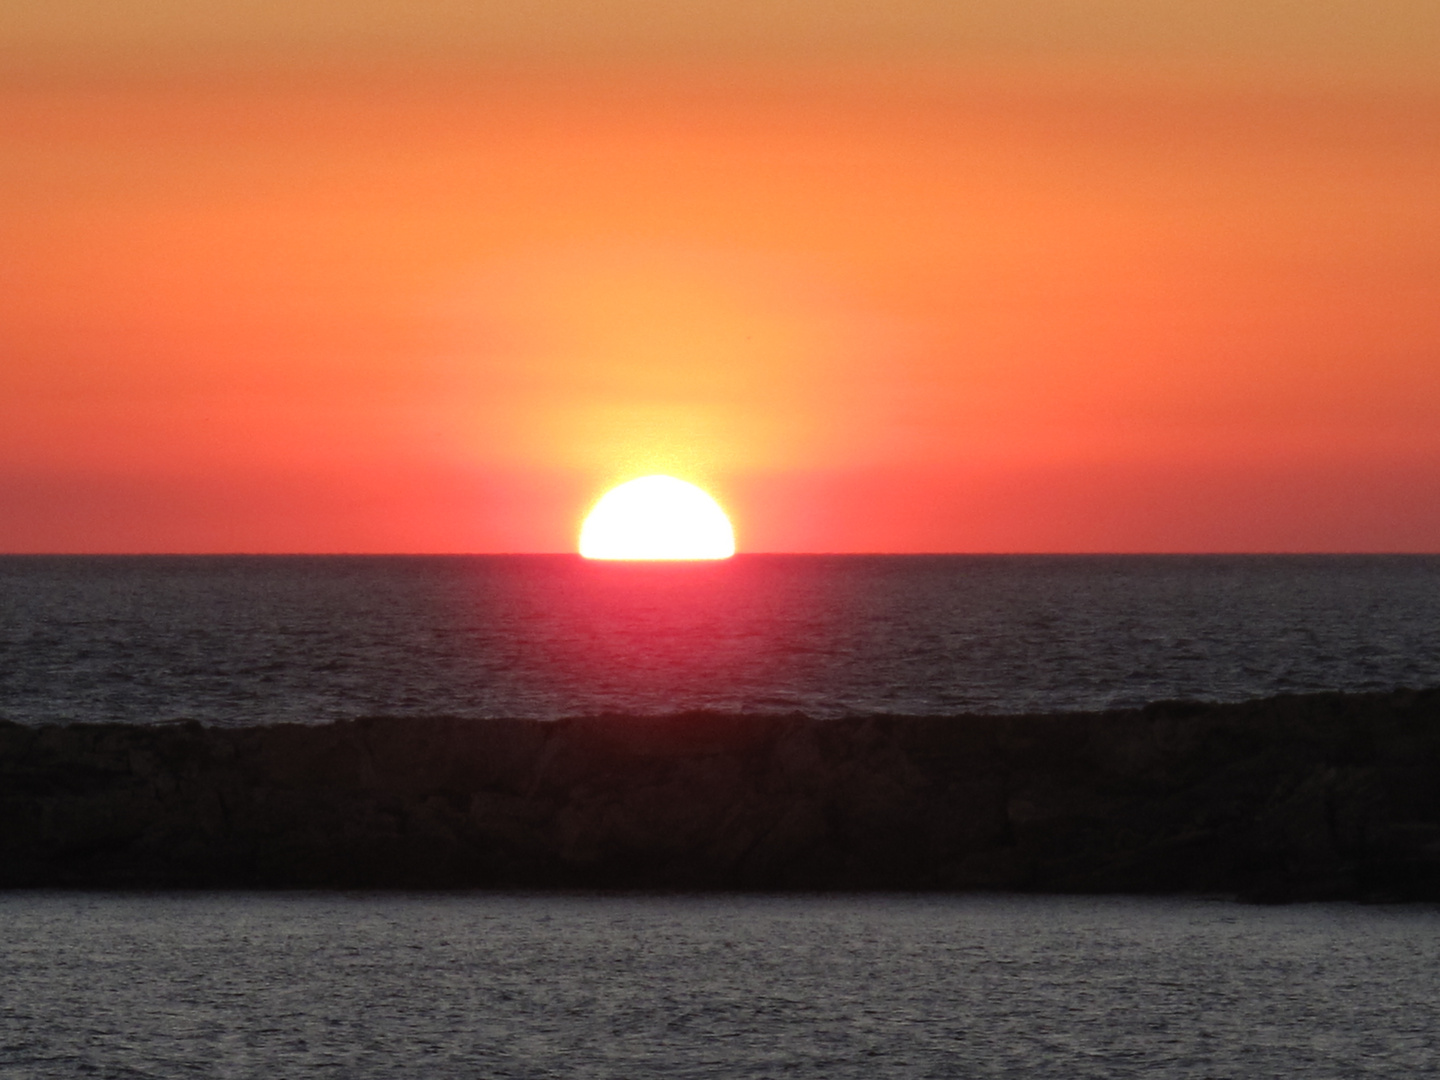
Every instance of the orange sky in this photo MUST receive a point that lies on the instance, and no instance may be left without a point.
(1049, 275)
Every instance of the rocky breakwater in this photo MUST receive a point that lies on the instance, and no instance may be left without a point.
(1318, 796)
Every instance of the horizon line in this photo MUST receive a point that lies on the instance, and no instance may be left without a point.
(1306, 553)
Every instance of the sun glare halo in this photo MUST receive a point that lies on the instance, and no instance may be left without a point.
(656, 517)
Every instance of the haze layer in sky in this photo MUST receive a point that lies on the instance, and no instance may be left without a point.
(1040, 275)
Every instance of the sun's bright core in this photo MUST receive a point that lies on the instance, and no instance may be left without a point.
(657, 517)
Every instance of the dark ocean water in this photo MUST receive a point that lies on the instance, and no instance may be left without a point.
(633, 987)
(641, 987)
(245, 640)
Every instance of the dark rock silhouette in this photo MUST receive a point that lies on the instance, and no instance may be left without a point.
(1306, 797)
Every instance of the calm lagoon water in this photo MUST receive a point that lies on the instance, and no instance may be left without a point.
(244, 640)
(634, 987)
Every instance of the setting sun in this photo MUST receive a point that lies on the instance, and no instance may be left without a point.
(657, 517)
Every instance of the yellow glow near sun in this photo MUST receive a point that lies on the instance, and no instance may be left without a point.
(657, 517)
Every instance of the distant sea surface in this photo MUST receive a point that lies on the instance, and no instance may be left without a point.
(640, 987)
(246, 640)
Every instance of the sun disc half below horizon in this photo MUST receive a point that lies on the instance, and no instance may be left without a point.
(657, 517)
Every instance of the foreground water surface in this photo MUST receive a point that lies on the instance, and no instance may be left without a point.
(246, 640)
(530, 986)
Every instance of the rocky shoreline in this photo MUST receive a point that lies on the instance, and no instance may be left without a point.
(1324, 796)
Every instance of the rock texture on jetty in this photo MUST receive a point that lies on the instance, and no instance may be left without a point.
(1317, 796)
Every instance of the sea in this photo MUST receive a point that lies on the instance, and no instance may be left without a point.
(237, 640)
(501, 986)
(633, 986)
